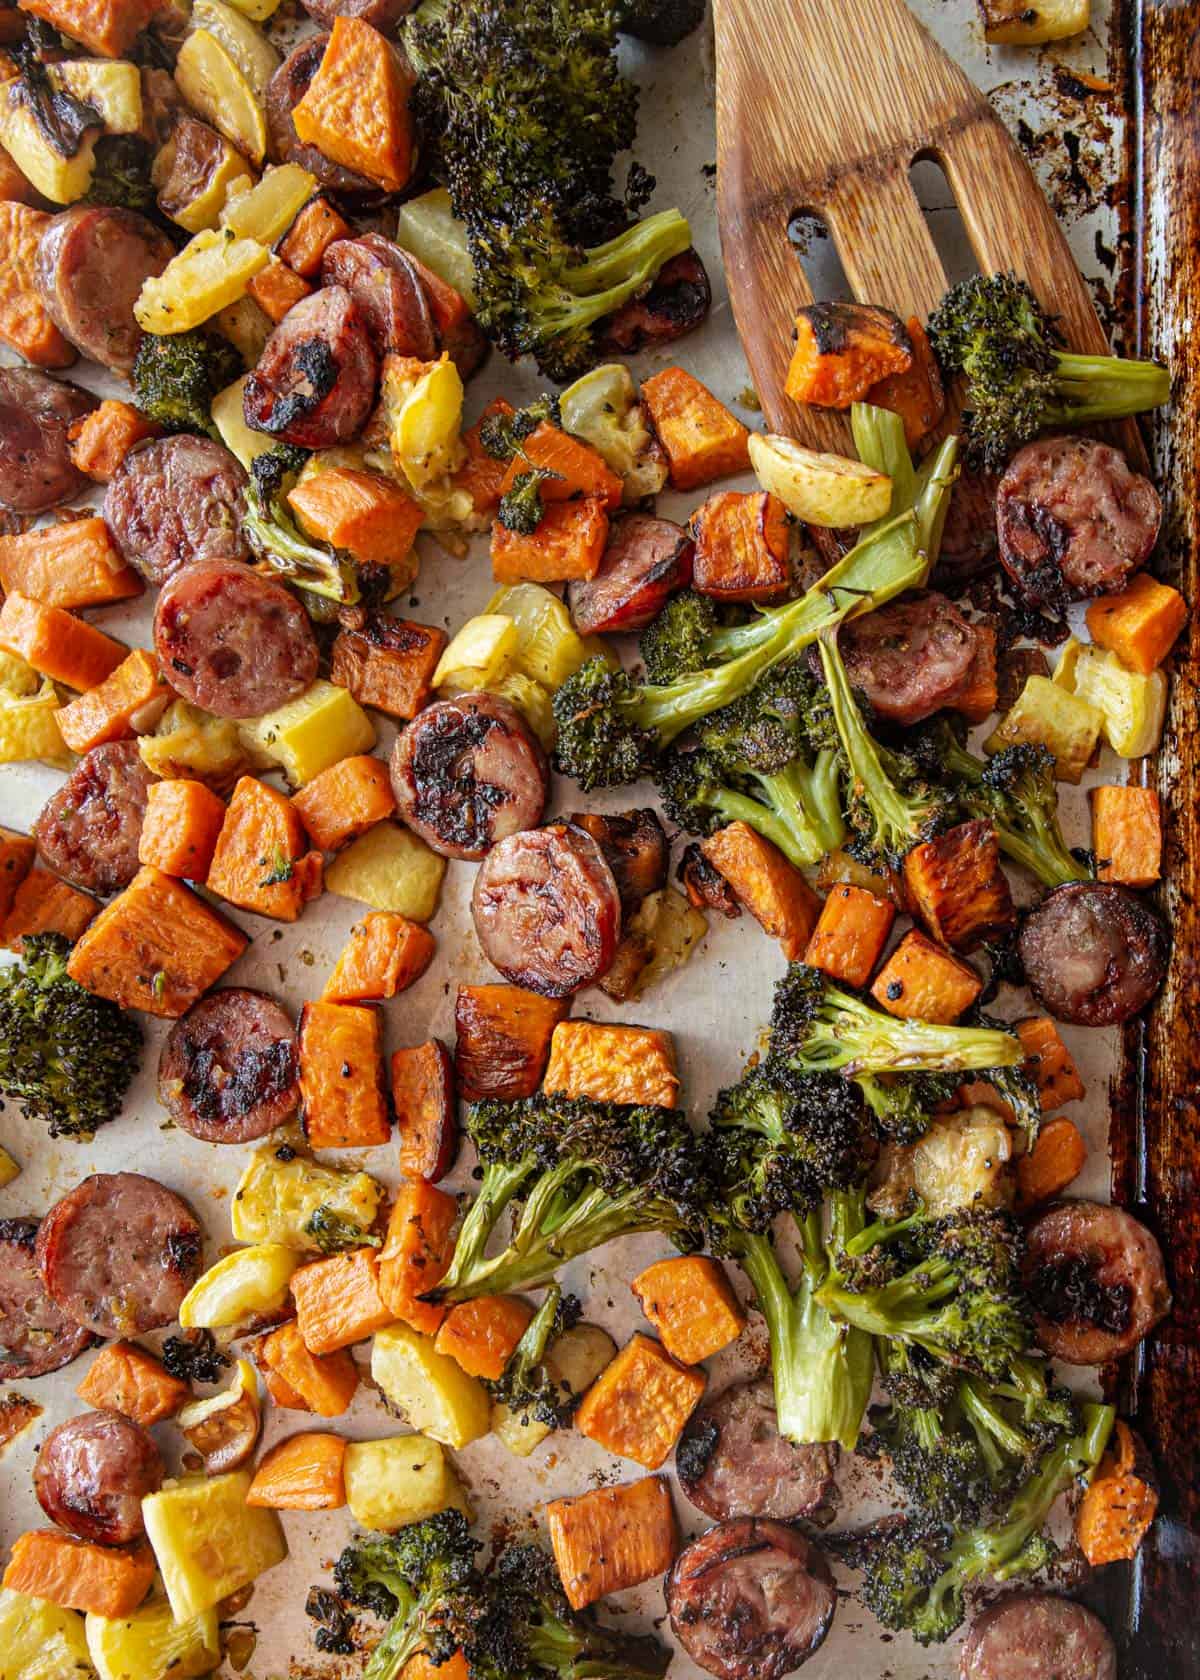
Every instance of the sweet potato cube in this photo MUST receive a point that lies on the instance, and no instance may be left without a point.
(25, 324)
(73, 564)
(850, 934)
(771, 888)
(389, 664)
(276, 288)
(1140, 624)
(978, 695)
(423, 1101)
(1054, 1162)
(62, 647)
(1120, 1502)
(503, 1036)
(157, 947)
(344, 801)
(482, 1335)
(917, 394)
(482, 475)
(304, 1473)
(16, 860)
(702, 439)
(355, 109)
(42, 903)
(416, 1253)
(360, 511)
(341, 1076)
(101, 440)
(128, 1379)
(612, 1063)
(842, 350)
(922, 982)
(314, 230)
(568, 543)
(422, 1667)
(338, 1300)
(638, 1405)
(956, 886)
(259, 853)
(1049, 1063)
(105, 27)
(301, 1380)
(180, 829)
(385, 954)
(742, 543)
(690, 1302)
(106, 1581)
(581, 470)
(612, 1538)
(128, 702)
(1127, 835)
(15, 185)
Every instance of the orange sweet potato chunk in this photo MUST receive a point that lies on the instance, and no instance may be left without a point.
(742, 547)
(105, 27)
(17, 853)
(44, 904)
(362, 512)
(301, 1380)
(581, 470)
(101, 440)
(58, 644)
(338, 1301)
(304, 1473)
(128, 702)
(341, 1076)
(314, 230)
(180, 828)
(690, 1302)
(481, 1335)
(385, 954)
(389, 664)
(638, 1405)
(128, 1379)
(276, 288)
(72, 564)
(921, 981)
(771, 888)
(416, 1253)
(355, 109)
(259, 862)
(842, 350)
(702, 439)
(612, 1538)
(78, 1575)
(611, 1063)
(25, 325)
(345, 800)
(850, 934)
(569, 543)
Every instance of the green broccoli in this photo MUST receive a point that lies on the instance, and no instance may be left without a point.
(503, 434)
(122, 176)
(521, 509)
(278, 541)
(66, 1054)
(332, 1232)
(993, 329)
(533, 1634)
(177, 375)
(664, 23)
(525, 1386)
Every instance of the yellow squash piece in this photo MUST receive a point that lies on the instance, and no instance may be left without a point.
(432, 1390)
(246, 45)
(389, 868)
(400, 1480)
(38, 1641)
(217, 89)
(1031, 23)
(480, 653)
(202, 211)
(424, 419)
(29, 727)
(275, 1199)
(247, 326)
(111, 86)
(305, 736)
(9, 1169)
(242, 1286)
(575, 1360)
(821, 489)
(269, 209)
(208, 1542)
(1051, 716)
(1133, 704)
(211, 271)
(428, 227)
(258, 11)
(61, 180)
(230, 420)
(191, 743)
(602, 408)
(150, 1644)
(549, 648)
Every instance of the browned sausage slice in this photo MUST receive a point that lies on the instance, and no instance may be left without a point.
(230, 1070)
(751, 1600)
(1035, 1636)
(1093, 953)
(388, 291)
(92, 262)
(285, 90)
(1074, 520)
(36, 469)
(969, 536)
(547, 910)
(1096, 1278)
(233, 642)
(910, 657)
(118, 1253)
(676, 303)
(36, 1337)
(646, 560)
(732, 1460)
(468, 772)
(174, 500)
(89, 830)
(315, 381)
(383, 15)
(93, 1473)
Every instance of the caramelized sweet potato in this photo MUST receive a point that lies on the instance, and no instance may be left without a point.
(384, 955)
(741, 547)
(128, 1379)
(344, 801)
(580, 469)
(612, 1538)
(978, 695)
(772, 889)
(180, 829)
(105, 27)
(423, 1100)
(101, 440)
(1049, 1062)
(79, 1575)
(416, 1253)
(304, 1381)
(129, 702)
(638, 1405)
(482, 475)
(276, 288)
(362, 512)
(850, 934)
(338, 1301)
(341, 1076)
(568, 543)
(1120, 1502)
(702, 439)
(56, 643)
(303, 1473)
(157, 947)
(921, 981)
(1054, 1162)
(355, 109)
(1140, 624)
(389, 664)
(503, 1040)
(956, 886)
(42, 903)
(17, 852)
(1127, 835)
(72, 564)
(25, 325)
(842, 350)
(690, 1302)
(481, 1335)
(259, 863)
(314, 230)
(612, 1063)
(917, 394)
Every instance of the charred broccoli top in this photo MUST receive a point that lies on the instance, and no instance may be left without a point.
(278, 541)
(177, 375)
(423, 1581)
(525, 1385)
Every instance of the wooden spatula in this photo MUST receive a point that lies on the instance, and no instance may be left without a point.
(824, 106)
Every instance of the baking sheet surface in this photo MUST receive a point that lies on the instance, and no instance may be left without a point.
(1056, 99)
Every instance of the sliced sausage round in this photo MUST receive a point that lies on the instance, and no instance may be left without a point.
(468, 772)
(88, 832)
(751, 1600)
(646, 561)
(547, 910)
(93, 1473)
(732, 1460)
(383, 15)
(1096, 1278)
(388, 292)
(968, 544)
(118, 1253)
(230, 1069)
(285, 90)
(36, 469)
(911, 657)
(314, 383)
(1074, 521)
(233, 642)
(1093, 953)
(92, 262)
(1036, 1636)
(36, 1336)
(677, 302)
(175, 500)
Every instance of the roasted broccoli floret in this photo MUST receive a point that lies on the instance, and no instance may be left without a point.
(916, 1571)
(66, 1054)
(332, 1232)
(122, 175)
(177, 375)
(533, 1634)
(696, 795)
(663, 23)
(525, 1386)
(335, 1625)
(503, 434)
(278, 541)
(903, 1104)
(522, 508)
(577, 1174)
(1019, 383)
(424, 1583)
(680, 638)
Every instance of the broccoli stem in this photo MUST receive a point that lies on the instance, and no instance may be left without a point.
(279, 544)
(879, 440)
(786, 821)
(1088, 389)
(847, 1035)
(1027, 831)
(608, 277)
(401, 1642)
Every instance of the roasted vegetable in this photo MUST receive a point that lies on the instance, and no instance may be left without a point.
(279, 542)
(176, 377)
(423, 1582)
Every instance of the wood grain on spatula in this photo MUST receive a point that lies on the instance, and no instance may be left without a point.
(824, 106)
